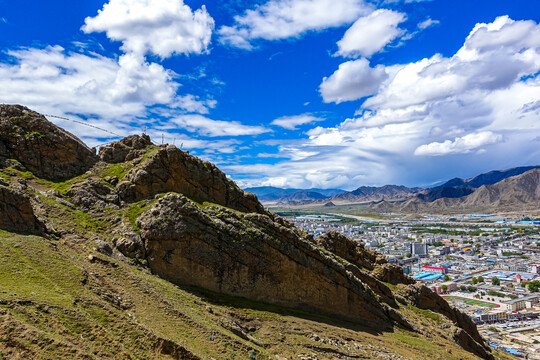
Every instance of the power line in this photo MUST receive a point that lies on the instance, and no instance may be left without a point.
(83, 123)
(97, 127)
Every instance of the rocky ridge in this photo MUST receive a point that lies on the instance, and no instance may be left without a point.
(181, 218)
(41, 147)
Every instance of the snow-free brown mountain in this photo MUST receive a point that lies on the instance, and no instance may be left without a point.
(490, 192)
(517, 193)
(146, 251)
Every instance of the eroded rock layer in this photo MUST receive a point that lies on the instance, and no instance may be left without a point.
(250, 255)
(40, 146)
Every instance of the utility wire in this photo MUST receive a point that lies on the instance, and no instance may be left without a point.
(97, 127)
(83, 123)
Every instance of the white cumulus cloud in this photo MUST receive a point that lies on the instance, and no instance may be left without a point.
(370, 34)
(204, 126)
(494, 56)
(352, 80)
(460, 115)
(462, 145)
(281, 19)
(56, 80)
(53, 78)
(292, 122)
(160, 27)
(113, 94)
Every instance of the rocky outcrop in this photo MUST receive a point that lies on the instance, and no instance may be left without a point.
(16, 213)
(131, 245)
(350, 250)
(368, 266)
(126, 149)
(41, 147)
(169, 169)
(392, 274)
(256, 256)
(93, 194)
(467, 335)
(355, 253)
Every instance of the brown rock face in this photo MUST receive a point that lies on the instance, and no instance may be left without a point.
(171, 169)
(355, 253)
(350, 250)
(41, 147)
(125, 150)
(468, 336)
(92, 193)
(251, 255)
(16, 213)
(360, 260)
(391, 273)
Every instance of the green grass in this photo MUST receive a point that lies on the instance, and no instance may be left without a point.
(118, 170)
(60, 186)
(26, 270)
(151, 151)
(424, 347)
(427, 313)
(46, 273)
(471, 301)
(34, 134)
(135, 210)
(63, 216)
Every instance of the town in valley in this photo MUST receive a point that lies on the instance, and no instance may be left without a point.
(486, 265)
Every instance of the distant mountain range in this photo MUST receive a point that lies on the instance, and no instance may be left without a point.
(514, 189)
(275, 194)
(374, 194)
(520, 192)
(457, 187)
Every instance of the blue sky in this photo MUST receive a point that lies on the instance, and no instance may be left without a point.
(290, 93)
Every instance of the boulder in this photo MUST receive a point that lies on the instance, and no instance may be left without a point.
(392, 274)
(131, 245)
(355, 253)
(16, 213)
(126, 149)
(40, 146)
(104, 247)
(93, 194)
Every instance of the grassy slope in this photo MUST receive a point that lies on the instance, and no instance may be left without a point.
(57, 304)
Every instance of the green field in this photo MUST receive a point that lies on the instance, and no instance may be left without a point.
(472, 301)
